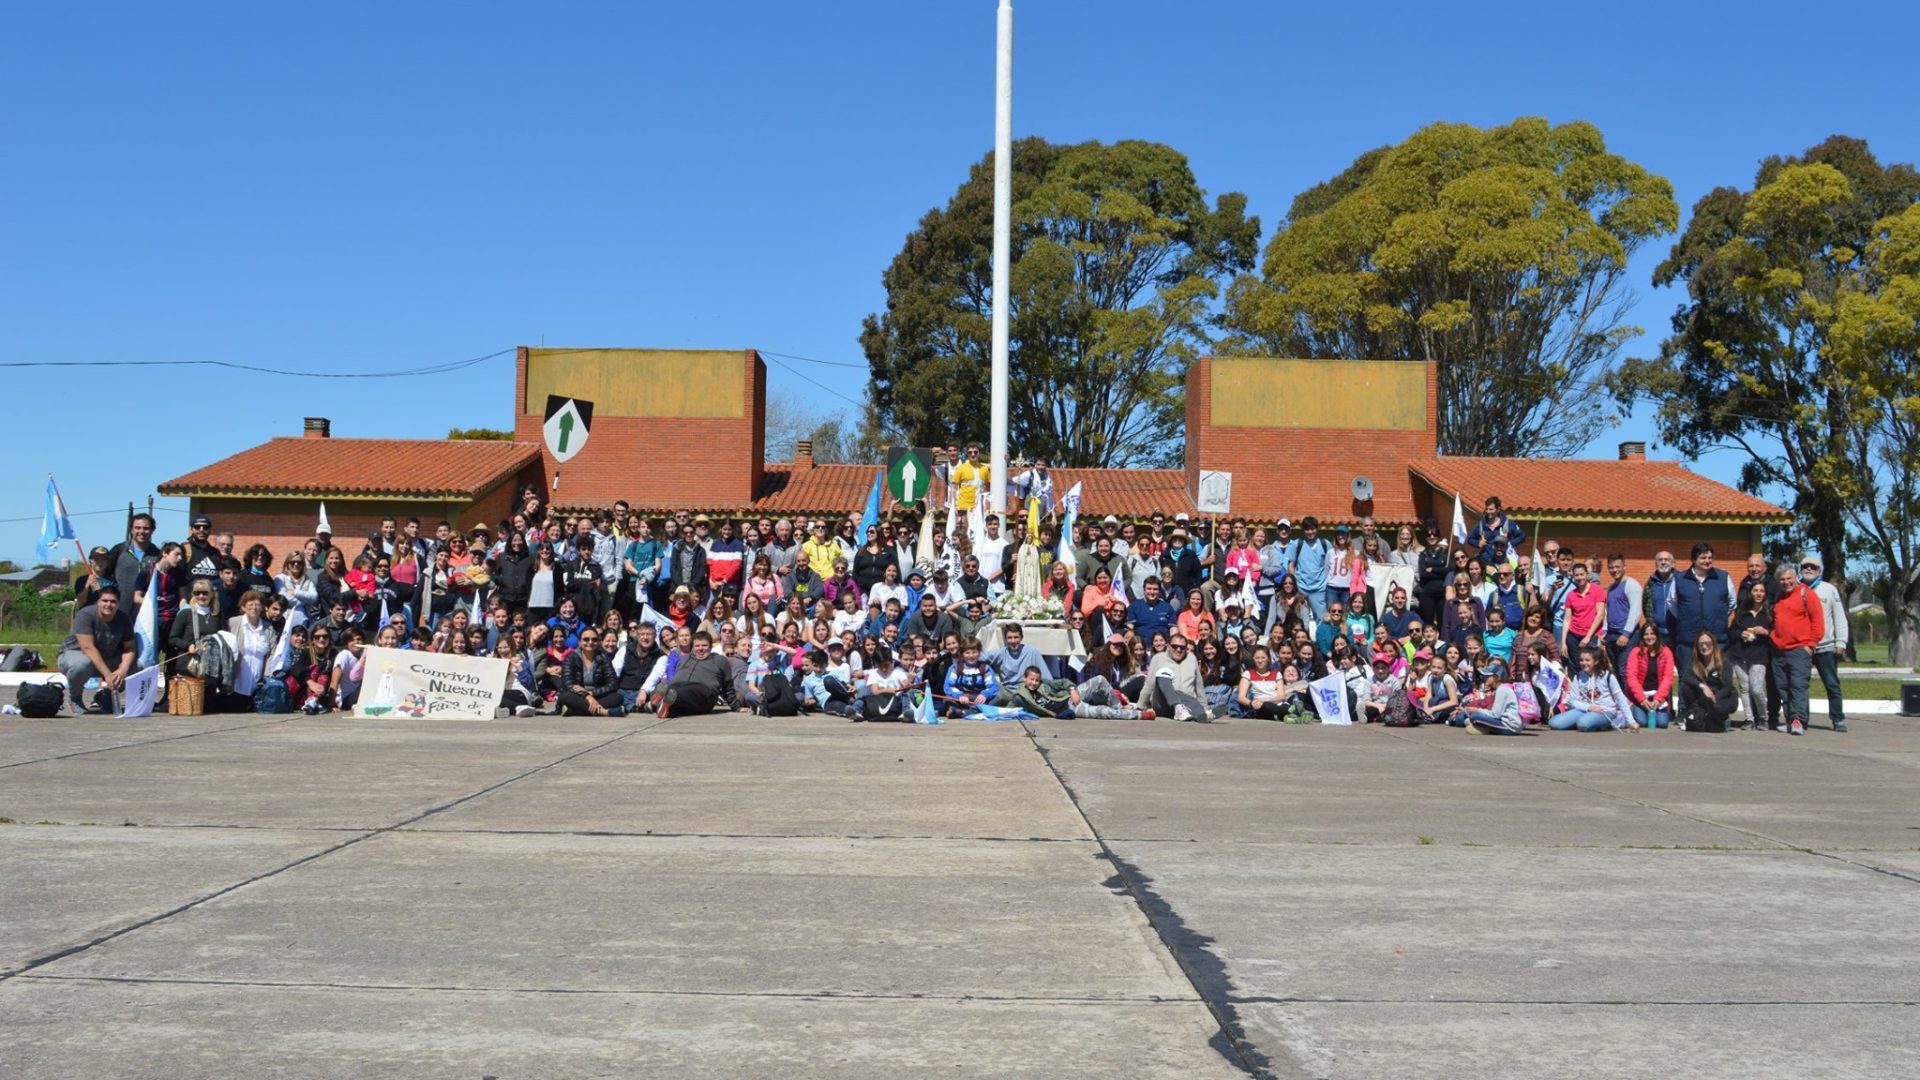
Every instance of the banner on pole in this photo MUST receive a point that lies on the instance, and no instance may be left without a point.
(424, 685)
(1216, 493)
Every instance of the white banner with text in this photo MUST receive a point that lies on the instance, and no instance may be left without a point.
(424, 685)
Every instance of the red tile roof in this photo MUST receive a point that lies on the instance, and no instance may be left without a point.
(419, 468)
(787, 487)
(1605, 488)
(1134, 493)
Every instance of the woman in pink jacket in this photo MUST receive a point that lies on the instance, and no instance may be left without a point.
(1649, 679)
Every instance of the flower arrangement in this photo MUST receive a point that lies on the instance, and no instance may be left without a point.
(1013, 607)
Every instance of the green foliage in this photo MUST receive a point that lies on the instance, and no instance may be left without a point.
(1498, 253)
(1116, 255)
(481, 434)
(30, 613)
(1796, 347)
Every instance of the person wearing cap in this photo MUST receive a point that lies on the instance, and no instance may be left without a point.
(203, 559)
(1833, 638)
(1235, 591)
(946, 592)
(1499, 711)
(1183, 561)
(99, 575)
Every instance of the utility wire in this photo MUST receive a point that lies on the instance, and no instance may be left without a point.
(796, 373)
(434, 369)
(811, 360)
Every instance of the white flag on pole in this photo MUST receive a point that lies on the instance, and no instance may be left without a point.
(1330, 699)
(139, 692)
(1459, 521)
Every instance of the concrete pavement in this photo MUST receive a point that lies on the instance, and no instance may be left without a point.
(729, 896)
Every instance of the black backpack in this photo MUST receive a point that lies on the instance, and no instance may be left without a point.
(40, 700)
(777, 697)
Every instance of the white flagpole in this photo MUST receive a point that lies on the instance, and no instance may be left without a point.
(1002, 249)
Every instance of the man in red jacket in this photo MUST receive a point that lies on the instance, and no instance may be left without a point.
(1798, 625)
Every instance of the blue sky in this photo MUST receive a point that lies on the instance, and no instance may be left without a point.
(371, 187)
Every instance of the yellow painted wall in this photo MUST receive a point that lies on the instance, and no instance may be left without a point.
(639, 382)
(1365, 394)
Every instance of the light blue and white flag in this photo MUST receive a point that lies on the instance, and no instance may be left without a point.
(1071, 504)
(146, 625)
(55, 524)
(923, 710)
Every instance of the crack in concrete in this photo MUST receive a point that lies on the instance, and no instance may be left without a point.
(1204, 970)
(71, 950)
(152, 742)
(793, 995)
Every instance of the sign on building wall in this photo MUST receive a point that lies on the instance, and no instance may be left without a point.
(909, 472)
(1216, 493)
(566, 425)
(424, 685)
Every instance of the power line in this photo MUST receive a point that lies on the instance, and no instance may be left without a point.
(434, 369)
(811, 360)
(74, 513)
(807, 378)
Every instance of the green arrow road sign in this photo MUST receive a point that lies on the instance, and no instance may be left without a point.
(909, 472)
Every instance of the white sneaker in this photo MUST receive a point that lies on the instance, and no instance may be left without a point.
(1181, 712)
(523, 710)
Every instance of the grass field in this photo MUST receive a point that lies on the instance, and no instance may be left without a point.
(36, 639)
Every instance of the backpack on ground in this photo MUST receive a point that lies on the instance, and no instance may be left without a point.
(1400, 711)
(40, 700)
(777, 697)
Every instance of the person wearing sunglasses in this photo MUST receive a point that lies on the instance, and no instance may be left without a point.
(1174, 687)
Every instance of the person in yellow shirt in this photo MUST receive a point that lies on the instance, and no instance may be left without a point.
(820, 548)
(973, 476)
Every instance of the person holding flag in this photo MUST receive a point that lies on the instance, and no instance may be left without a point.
(101, 647)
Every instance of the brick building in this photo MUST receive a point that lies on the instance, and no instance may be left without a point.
(686, 429)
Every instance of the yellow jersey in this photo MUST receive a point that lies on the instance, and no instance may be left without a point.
(971, 479)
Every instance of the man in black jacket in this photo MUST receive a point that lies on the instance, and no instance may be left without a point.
(203, 559)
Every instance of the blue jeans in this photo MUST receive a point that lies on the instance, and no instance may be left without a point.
(1790, 671)
(1317, 598)
(1580, 720)
(1489, 723)
(1652, 718)
(1827, 666)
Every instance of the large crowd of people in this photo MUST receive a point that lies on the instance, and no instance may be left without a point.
(615, 611)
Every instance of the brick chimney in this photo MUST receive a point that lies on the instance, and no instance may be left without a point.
(803, 454)
(318, 427)
(1633, 451)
